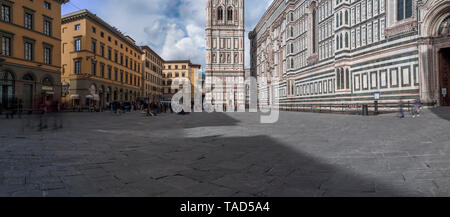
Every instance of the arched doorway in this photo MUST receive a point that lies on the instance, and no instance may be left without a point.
(6, 89)
(28, 92)
(48, 89)
(444, 76)
(434, 49)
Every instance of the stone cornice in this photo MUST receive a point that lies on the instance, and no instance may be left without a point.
(85, 14)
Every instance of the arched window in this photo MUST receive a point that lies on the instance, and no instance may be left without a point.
(220, 13)
(342, 79)
(346, 17)
(338, 79)
(347, 79)
(292, 31)
(337, 42)
(314, 31)
(340, 18)
(28, 77)
(292, 17)
(47, 81)
(292, 48)
(346, 39)
(230, 14)
(341, 45)
(292, 63)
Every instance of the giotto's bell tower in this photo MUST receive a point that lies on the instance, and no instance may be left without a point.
(225, 38)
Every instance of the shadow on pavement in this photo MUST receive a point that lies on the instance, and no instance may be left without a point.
(261, 166)
(107, 164)
(442, 112)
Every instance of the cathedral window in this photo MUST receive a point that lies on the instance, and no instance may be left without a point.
(220, 13)
(314, 34)
(230, 14)
(404, 9)
(346, 39)
(346, 17)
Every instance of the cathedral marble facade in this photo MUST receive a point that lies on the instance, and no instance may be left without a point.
(225, 44)
(344, 53)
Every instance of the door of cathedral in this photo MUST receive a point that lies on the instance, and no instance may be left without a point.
(444, 76)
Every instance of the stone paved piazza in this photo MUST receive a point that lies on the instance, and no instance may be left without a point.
(304, 154)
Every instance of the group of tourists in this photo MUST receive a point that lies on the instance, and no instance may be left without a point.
(152, 108)
(45, 108)
(13, 107)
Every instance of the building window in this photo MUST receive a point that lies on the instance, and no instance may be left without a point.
(28, 20)
(220, 13)
(47, 27)
(230, 14)
(77, 64)
(109, 72)
(6, 13)
(404, 9)
(116, 74)
(94, 46)
(77, 27)
(109, 53)
(77, 44)
(102, 70)
(102, 50)
(47, 5)
(28, 51)
(47, 55)
(94, 68)
(94, 30)
(6, 46)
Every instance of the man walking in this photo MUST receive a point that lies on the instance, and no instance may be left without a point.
(402, 113)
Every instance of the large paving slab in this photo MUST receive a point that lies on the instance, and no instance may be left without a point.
(227, 154)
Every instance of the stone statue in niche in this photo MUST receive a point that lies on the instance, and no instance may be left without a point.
(444, 28)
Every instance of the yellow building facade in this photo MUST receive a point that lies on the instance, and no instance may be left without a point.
(100, 65)
(177, 69)
(30, 47)
(152, 88)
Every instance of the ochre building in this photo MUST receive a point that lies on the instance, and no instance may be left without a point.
(152, 74)
(100, 65)
(30, 52)
(178, 69)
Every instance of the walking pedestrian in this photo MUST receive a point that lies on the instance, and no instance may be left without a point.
(402, 113)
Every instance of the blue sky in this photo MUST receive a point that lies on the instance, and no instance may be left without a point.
(173, 28)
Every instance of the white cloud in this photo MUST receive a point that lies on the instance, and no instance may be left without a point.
(173, 28)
